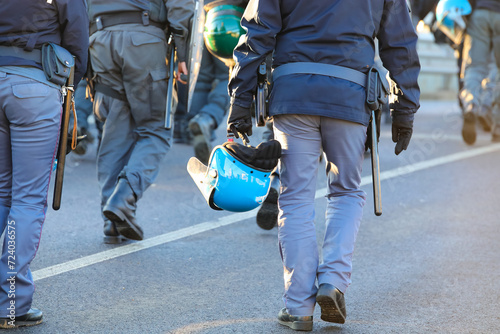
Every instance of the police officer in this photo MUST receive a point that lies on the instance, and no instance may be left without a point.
(323, 50)
(30, 114)
(210, 101)
(481, 40)
(128, 47)
(209, 105)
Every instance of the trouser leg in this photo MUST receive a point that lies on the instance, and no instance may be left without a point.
(476, 56)
(217, 100)
(34, 122)
(495, 28)
(117, 142)
(145, 83)
(5, 161)
(343, 144)
(300, 139)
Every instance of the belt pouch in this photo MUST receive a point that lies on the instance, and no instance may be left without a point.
(56, 63)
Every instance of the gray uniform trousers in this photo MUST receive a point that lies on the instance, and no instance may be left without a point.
(483, 37)
(30, 117)
(130, 58)
(301, 138)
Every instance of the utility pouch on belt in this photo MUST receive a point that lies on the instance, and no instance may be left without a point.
(377, 89)
(56, 63)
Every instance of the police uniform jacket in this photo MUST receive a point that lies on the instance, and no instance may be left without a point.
(332, 32)
(174, 13)
(493, 5)
(29, 24)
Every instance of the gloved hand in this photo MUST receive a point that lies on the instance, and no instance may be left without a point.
(239, 121)
(401, 134)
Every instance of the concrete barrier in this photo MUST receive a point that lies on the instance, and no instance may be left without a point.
(438, 74)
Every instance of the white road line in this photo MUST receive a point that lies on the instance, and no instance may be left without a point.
(441, 138)
(236, 217)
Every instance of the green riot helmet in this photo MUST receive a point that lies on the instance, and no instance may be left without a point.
(222, 31)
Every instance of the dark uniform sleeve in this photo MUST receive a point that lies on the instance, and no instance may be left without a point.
(262, 22)
(398, 52)
(74, 25)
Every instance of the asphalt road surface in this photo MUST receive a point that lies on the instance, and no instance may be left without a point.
(429, 264)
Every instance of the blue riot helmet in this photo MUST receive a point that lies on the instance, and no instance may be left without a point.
(237, 177)
(451, 18)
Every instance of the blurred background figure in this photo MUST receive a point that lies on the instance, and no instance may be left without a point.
(482, 38)
(84, 111)
(209, 105)
(210, 101)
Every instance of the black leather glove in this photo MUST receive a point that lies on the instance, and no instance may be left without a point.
(239, 121)
(401, 134)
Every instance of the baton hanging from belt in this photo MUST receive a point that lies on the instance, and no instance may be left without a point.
(377, 196)
(63, 140)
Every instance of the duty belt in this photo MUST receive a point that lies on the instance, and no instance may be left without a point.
(14, 51)
(108, 20)
(336, 71)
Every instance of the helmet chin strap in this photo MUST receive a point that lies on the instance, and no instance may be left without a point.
(243, 136)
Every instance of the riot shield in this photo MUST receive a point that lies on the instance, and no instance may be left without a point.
(171, 92)
(204, 179)
(195, 51)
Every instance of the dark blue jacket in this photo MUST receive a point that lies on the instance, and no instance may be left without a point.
(335, 32)
(28, 24)
(493, 5)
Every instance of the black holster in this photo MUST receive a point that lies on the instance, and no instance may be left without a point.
(377, 90)
(377, 95)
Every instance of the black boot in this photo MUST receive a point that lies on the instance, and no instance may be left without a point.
(120, 209)
(111, 235)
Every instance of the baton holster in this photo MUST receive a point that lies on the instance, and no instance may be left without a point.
(377, 89)
(377, 95)
(261, 101)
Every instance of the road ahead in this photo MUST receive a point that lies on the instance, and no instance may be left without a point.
(429, 264)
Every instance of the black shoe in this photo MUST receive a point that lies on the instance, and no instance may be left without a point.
(332, 304)
(32, 318)
(120, 209)
(201, 127)
(111, 235)
(267, 216)
(295, 322)
(469, 128)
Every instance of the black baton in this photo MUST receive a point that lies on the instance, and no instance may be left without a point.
(63, 140)
(170, 87)
(377, 196)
